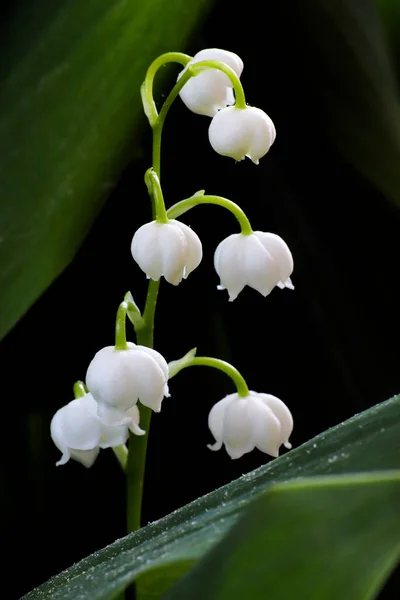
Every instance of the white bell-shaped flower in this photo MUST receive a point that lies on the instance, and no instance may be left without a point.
(210, 90)
(117, 379)
(260, 260)
(78, 432)
(255, 421)
(171, 249)
(241, 132)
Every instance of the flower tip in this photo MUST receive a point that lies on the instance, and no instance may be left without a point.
(136, 429)
(214, 447)
(288, 445)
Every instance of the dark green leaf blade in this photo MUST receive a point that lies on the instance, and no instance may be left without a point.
(322, 537)
(164, 549)
(69, 111)
(351, 84)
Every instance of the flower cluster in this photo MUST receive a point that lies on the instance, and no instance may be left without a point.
(235, 131)
(103, 416)
(105, 410)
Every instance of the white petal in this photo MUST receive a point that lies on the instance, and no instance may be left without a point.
(259, 269)
(280, 253)
(225, 56)
(160, 360)
(64, 458)
(288, 284)
(263, 133)
(76, 426)
(134, 415)
(118, 378)
(235, 452)
(228, 134)
(146, 251)
(211, 89)
(85, 457)
(194, 250)
(110, 416)
(226, 263)
(238, 427)
(283, 415)
(113, 435)
(240, 132)
(267, 429)
(57, 435)
(151, 385)
(162, 363)
(242, 260)
(172, 247)
(112, 377)
(214, 447)
(160, 249)
(206, 93)
(216, 420)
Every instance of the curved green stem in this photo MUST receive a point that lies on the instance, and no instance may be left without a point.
(216, 363)
(120, 327)
(184, 205)
(235, 81)
(153, 185)
(147, 86)
(133, 313)
(190, 72)
(138, 444)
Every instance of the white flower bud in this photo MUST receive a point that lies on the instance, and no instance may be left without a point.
(117, 379)
(210, 90)
(260, 260)
(78, 432)
(240, 132)
(256, 421)
(171, 249)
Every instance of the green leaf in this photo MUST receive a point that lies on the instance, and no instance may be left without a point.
(352, 84)
(70, 110)
(321, 537)
(161, 552)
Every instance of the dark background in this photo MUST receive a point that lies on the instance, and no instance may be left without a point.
(329, 349)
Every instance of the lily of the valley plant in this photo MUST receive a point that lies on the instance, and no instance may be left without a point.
(126, 381)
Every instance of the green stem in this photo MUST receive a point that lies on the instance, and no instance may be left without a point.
(216, 363)
(138, 444)
(184, 205)
(79, 390)
(190, 72)
(145, 337)
(120, 327)
(147, 86)
(240, 100)
(133, 313)
(154, 187)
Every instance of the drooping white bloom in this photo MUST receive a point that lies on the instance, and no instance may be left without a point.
(171, 249)
(210, 90)
(78, 432)
(117, 379)
(260, 260)
(241, 132)
(256, 421)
